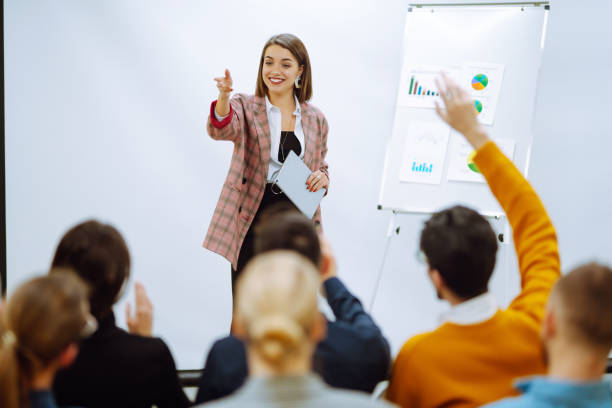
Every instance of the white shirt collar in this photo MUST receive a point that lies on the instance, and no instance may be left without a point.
(270, 107)
(473, 311)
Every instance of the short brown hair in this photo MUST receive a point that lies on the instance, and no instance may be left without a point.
(585, 298)
(297, 48)
(99, 255)
(292, 231)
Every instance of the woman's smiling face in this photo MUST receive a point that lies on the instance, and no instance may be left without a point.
(280, 69)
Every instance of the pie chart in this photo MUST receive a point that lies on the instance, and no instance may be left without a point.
(478, 106)
(480, 82)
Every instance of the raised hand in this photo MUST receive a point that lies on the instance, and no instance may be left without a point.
(142, 321)
(328, 260)
(224, 84)
(459, 111)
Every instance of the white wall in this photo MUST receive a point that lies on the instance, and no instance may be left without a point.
(106, 105)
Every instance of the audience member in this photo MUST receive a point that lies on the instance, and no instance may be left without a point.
(354, 355)
(40, 328)
(114, 368)
(577, 335)
(473, 356)
(278, 319)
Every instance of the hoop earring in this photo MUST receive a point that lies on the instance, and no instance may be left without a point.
(297, 81)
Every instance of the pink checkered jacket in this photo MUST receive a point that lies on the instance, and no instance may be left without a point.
(247, 127)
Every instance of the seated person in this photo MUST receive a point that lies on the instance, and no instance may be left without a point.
(577, 334)
(353, 355)
(40, 328)
(114, 368)
(278, 320)
(472, 358)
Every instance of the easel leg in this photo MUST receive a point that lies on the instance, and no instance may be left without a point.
(384, 259)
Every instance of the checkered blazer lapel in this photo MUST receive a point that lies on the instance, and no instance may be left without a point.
(262, 127)
(309, 128)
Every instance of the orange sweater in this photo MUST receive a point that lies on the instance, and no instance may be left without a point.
(470, 365)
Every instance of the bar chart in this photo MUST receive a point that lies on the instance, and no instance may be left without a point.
(416, 88)
(422, 167)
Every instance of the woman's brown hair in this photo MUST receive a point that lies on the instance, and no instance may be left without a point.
(297, 48)
(99, 255)
(41, 319)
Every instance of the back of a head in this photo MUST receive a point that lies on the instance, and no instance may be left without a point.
(462, 246)
(99, 255)
(277, 305)
(288, 230)
(41, 319)
(583, 304)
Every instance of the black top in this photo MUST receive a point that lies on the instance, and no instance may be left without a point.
(118, 369)
(354, 355)
(288, 142)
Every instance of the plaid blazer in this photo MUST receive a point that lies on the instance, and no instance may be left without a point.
(247, 127)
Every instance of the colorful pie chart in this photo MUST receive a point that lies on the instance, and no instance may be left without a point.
(478, 106)
(480, 82)
(470, 162)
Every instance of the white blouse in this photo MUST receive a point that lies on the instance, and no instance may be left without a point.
(275, 122)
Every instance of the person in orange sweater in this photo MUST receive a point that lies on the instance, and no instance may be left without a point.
(473, 357)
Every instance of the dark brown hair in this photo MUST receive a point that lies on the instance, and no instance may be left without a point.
(462, 246)
(42, 318)
(290, 230)
(99, 255)
(297, 48)
(585, 296)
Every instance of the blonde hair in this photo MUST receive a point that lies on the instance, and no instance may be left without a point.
(277, 304)
(41, 319)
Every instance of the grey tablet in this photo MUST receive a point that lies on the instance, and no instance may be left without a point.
(292, 180)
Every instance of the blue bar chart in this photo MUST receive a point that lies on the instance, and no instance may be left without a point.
(422, 167)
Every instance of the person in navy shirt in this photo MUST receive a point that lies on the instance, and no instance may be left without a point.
(354, 355)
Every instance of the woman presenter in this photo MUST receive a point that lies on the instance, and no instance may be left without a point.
(264, 128)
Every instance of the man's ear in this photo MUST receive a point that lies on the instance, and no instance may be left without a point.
(438, 282)
(319, 329)
(436, 279)
(549, 325)
(67, 357)
(238, 329)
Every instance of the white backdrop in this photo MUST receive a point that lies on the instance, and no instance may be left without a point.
(106, 104)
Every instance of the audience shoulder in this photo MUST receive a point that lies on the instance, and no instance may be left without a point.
(153, 349)
(409, 349)
(511, 402)
(350, 398)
